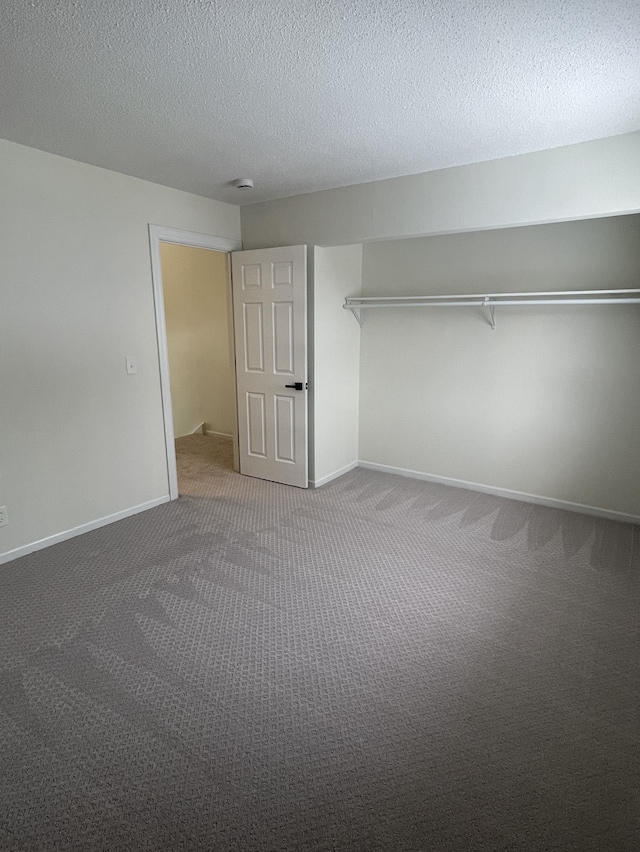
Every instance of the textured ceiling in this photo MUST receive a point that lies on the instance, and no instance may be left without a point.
(309, 94)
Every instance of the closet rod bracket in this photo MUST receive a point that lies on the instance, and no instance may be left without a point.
(490, 312)
(357, 314)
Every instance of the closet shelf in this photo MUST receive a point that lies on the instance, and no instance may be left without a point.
(489, 301)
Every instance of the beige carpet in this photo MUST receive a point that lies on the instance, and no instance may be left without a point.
(381, 664)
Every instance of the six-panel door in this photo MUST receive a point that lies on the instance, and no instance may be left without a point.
(270, 320)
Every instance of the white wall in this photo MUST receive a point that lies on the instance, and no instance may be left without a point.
(547, 404)
(195, 284)
(599, 178)
(79, 439)
(337, 273)
(546, 375)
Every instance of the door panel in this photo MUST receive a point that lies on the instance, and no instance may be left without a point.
(285, 432)
(270, 320)
(253, 337)
(283, 348)
(251, 276)
(257, 426)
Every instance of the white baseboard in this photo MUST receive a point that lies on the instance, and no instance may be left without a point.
(199, 430)
(218, 434)
(551, 502)
(83, 528)
(331, 476)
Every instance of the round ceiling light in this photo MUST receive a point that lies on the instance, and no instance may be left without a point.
(243, 183)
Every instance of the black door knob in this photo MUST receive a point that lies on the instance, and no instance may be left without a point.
(298, 386)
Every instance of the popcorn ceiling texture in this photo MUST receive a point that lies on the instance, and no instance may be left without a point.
(313, 94)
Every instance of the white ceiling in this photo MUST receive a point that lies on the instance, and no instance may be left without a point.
(310, 94)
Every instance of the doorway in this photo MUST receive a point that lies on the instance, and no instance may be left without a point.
(195, 284)
(192, 294)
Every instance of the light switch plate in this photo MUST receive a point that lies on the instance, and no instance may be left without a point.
(4, 516)
(132, 365)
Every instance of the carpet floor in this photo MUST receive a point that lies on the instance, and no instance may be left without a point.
(380, 664)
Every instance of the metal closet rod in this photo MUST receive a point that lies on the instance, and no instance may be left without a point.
(489, 301)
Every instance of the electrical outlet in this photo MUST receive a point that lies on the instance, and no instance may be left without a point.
(4, 516)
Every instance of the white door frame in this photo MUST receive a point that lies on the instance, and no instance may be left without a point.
(159, 234)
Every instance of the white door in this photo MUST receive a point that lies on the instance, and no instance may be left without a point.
(270, 320)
